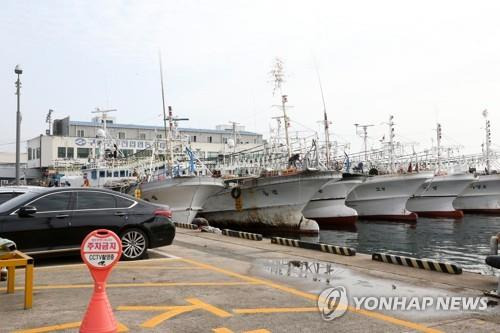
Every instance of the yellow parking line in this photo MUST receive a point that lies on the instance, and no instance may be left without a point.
(313, 297)
(76, 324)
(172, 311)
(227, 330)
(80, 265)
(222, 330)
(146, 284)
(275, 310)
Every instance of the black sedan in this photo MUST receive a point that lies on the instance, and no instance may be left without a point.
(58, 219)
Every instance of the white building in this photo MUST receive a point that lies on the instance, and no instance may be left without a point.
(76, 141)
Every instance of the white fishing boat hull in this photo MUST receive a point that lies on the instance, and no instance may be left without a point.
(184, 195)
(435, 197)
(268, 202)
(384, 197)
(328, 206)
(481, 196)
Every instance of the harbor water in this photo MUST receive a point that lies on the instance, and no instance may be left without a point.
(464, 241)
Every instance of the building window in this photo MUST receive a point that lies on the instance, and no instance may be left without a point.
(158, 136)
(121, 135)
(140, 144)
(142, 136)
(224, 140)
(127, 152)
(194, 138)
(131, 144)
(29, 153)
(209, 139)
(38, 152)
(61, 152)
(70, 152)
(82, 152)
(80, 133)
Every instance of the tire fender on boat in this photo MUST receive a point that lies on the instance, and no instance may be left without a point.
(236, 192)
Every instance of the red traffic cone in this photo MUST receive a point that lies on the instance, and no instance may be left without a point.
(100, 250)
(99, 317)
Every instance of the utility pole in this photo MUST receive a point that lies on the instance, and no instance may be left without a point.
(18, 71)
(364, 135)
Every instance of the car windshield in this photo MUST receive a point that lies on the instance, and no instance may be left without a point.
(5, 196)
(17, 201)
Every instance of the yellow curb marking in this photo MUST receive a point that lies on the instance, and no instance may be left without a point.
(314, 298)
(76, 324)
(172, 311)
(145, 284)
(227, 330)
(275, 310)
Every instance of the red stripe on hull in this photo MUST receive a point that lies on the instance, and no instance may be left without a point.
(334, 221)
(482, 211)
(410, 217)
(455, 214)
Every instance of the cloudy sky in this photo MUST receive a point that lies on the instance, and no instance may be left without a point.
(423, 62)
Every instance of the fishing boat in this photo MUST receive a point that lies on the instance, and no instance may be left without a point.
(328, 206)
(482, 196)
(270, 188)
(268, 201)
(384, 193)
(384, 197)
(435, 197)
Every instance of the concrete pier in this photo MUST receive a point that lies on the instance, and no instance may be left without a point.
(214, 283)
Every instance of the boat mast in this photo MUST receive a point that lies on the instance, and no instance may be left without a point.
(364, 135)
(168, 135)
(284, 99)
(438, 137)
(326, 123)
(233, 126)
(104, 118)
(488, 140)
(277, 74)
(391, 143)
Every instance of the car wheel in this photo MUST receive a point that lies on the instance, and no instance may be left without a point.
(134, 244)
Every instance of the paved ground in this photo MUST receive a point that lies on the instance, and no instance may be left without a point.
(212, 283)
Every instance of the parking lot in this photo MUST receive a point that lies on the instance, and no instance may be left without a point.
(204, 285)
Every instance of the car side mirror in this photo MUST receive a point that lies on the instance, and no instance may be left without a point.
(26, 211)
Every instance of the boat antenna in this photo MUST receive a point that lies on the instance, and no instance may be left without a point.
(326, 123)
(167, 134)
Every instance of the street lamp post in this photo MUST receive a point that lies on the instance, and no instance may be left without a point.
(18, 71)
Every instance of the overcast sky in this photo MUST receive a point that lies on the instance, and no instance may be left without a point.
(423, 62)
